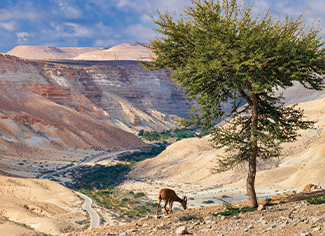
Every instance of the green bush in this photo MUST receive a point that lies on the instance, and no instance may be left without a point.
(316, 201)
(234, 211)
(139, 194)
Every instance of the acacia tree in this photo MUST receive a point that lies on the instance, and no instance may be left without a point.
(218, 53)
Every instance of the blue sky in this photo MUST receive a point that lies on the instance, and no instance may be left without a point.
(92, 23)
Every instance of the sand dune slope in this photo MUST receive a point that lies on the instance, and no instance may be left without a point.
(34, 206)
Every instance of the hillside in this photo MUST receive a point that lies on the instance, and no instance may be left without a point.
(49, 52)
(38, 207)
(127, 51)
(185, 166)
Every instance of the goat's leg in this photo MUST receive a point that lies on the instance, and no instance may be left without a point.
(166, 206)
(159, 201)
(171, 207)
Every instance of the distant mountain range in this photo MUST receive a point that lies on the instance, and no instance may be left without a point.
(127, 51)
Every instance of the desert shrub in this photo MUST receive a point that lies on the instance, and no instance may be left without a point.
(268, 201)
(234, 211)
(316, 201)
(141, 132)
(151, 135)
(139, 194)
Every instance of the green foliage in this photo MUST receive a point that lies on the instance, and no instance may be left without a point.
(151, 135)
(139, 194)
(234, 211)
(316, 201)
(268, 201)
(177, 133)
(98, 176)
(185, 134)
(141, 132)
(126, 206)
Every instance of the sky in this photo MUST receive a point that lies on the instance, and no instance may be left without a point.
(94, 23)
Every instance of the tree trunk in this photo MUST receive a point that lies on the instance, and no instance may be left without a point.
(252, 200)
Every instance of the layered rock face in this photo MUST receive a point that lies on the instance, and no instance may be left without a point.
(86, 105)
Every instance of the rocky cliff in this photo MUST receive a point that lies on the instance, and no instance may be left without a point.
(81, 104)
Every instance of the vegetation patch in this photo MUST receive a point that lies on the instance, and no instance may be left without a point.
(123, 206)
(170, 136)
(316, 201)
(234, 211)
(99, 181)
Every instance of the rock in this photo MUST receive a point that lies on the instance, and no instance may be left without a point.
(249, 227)
(181, 230)
(122, 234)
(317, 229)
(305, 234)
(264, 222)
(130, 231)
(310, 187)
(161, 225)
(196, 223)
(261, 207)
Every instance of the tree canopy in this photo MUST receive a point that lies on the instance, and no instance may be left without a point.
(219, 53)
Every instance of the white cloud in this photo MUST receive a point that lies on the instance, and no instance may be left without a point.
(102, 30)
(79, 31)
(22, 36)
(18, 15)
(106, 42)
(69, 11)
(146, 18)
(10, 26)
(140, 32)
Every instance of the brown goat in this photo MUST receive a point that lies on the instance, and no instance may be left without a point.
(169, 196)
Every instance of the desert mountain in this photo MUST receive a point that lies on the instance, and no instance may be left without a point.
(49, 52)
(127, 51)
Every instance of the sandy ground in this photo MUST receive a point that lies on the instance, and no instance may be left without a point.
(34, 206)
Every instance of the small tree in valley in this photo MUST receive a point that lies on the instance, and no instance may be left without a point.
(217, 52)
